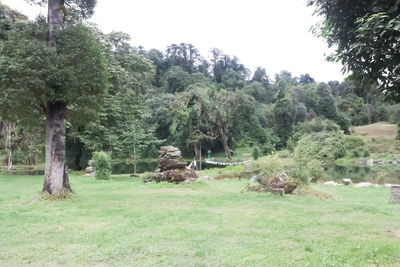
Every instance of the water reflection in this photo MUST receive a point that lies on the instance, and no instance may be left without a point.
(359, 174)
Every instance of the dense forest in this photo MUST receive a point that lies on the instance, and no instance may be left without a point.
(135, 100)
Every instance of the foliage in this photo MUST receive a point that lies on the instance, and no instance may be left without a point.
(315, 170)
(365, 34)
(301, 173)
(102, 165)
(284, 120)
(30, 70)
(256, 152)
(272, 165)
(354, 142)
(147, 177)
(324, 146)
(290, 145)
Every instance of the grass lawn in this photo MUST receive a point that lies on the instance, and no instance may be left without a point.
(209, 223)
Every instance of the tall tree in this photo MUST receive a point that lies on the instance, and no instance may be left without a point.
(51, 68)
(366, 37)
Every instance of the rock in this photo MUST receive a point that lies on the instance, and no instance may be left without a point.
(395, 194)
(366, 184)
(204, 178)
(284, 182)
(89, 170)
(330, 183)
(249, 167)
(91, 175)
(347, 181)
(172, 168)
(370, 163)
(379, 162)
(362, 162)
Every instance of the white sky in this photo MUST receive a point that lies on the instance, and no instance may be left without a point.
(271, 34)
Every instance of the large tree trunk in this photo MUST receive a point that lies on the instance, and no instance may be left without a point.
(224, 138)
(200, 165)
(55, 176)
(196, 154)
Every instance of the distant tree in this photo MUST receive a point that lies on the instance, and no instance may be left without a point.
(306, 79)
(260, 75)
(284, 119)
(176, 80)
(185, 56)
(366, 36)
(220, 63)
(326, 102)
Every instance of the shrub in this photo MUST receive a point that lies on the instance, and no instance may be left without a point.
(301, 174)
(290, 145)
(268, 149)
(147, 177)
(306, 149)
(256, 152)
(356, 153)
(272, 166)
(324, 146)
(102, 165)
(284, 154)
(315, 170)
(353, 142)
(366, 153)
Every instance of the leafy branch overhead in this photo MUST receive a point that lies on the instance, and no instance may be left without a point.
(366, 38)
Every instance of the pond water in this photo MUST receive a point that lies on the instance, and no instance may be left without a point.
(360, 174)
(336, 173)
(145, 166)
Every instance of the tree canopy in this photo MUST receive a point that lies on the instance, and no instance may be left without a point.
(366, 38)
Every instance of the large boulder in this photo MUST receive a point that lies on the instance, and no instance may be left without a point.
(171, 167)
(282, 182)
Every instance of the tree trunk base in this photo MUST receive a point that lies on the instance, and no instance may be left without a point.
(56, 180)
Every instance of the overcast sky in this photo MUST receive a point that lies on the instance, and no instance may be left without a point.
(271, 34)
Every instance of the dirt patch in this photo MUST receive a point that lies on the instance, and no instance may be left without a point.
(225, 176)
(313, 193)
(397, 234)
(380, 130)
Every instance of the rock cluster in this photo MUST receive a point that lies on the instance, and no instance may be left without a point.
(89, 172)
(171, 167)
(283, 184)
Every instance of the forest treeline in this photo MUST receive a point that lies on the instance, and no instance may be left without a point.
(150, 97)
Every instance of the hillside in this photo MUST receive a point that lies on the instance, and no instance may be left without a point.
(380, 137)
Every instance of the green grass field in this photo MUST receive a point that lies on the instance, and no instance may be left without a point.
(209, 223)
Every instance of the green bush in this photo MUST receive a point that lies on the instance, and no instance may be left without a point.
(147, 177)
(355, 153)
(102, 165)
(354, 142)
(301, 174)
(315, 170)
(366, 153)
(324, 146)
(256, 152)
(272, 165)
(284, 154)
(268, 149)
(290, 145)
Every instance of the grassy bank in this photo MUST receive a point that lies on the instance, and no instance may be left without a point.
(213, 223)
